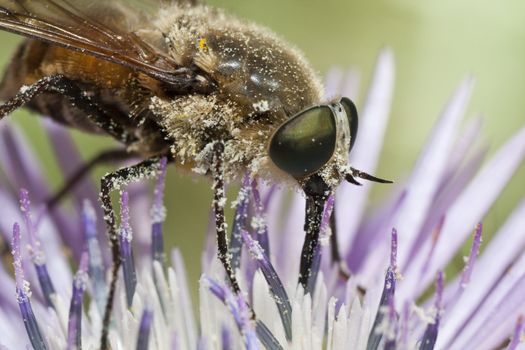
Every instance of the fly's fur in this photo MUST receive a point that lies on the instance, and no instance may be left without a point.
(262, 81)
(259, 81)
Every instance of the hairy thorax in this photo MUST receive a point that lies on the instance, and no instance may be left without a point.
(261, 81)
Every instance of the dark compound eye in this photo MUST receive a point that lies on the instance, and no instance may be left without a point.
(351, 113)
(306, 142)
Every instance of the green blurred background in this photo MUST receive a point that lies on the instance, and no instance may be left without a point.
(436, 44)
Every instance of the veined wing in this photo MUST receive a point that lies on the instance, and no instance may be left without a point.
(105, 29)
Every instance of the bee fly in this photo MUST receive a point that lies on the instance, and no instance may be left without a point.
(214, 94)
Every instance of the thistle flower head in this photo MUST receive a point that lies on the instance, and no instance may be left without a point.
(379, 285)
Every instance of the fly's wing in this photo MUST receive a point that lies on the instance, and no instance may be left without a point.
(94, 28)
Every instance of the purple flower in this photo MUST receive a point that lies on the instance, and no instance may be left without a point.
(387, 290)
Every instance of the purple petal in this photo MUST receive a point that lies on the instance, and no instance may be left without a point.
(70, 161)
(7, 302)
(387, 297)
(226, 338)
(474, 251)
(472, 204)
(435, 237)
(22, 288)
(463, 145)
(126, 251)
(182, 281)
(266, 337)
(239, 222)
(390, 339)
(17, 258)
(37, 254)
(291, 239)
(140, 195)
(490, 267)
(23, 170)
(159, 190)
(497, 312)
(431, 332)
(247, 327)
(158, 215)
(325, 220)
(174, 342)
(375, 336)
(448, 193)
(96, 263)
(210, 246)
(324, 240)
(276, 287)
(74, 328)
(30, 322)
(261, 229)
(10, 213)
(20, 164)
(239, 310)
(501, 319)
(404, 326)
(146, 322)
(372, 255)
(516, 336)
(393, 250)
(427, 174)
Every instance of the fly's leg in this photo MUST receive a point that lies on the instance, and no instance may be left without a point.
(219, 199)
(109, 183)
(344, 271)
(107, 156)
(317, 193)
(64, 86)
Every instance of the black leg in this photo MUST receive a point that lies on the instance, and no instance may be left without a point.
(109, 183)
(316, 192)
(219, 198)
(69, 88)
(344, 271)
(111, 155)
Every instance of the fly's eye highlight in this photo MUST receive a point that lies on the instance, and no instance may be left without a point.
(351, 114)
(305, 143)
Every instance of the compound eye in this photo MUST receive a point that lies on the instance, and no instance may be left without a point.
(351, 113)
(305, 143)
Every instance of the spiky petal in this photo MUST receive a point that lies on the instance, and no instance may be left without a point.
(146, 322)
(158, 214)
(22, 295)
(74, 329)
(35, 248)
(429, 337)
(126, 251)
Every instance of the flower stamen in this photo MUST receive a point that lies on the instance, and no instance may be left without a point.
(126, 251)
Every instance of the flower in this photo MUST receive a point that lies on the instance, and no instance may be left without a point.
(394, 255)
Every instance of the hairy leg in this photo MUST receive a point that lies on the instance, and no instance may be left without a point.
(316, 192)
(344, 271)
(64, 86)
(109, 183)
(106, 156)
(219, 199)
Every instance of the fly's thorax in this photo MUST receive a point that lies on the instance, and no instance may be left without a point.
(251, 65)
(261, 81)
